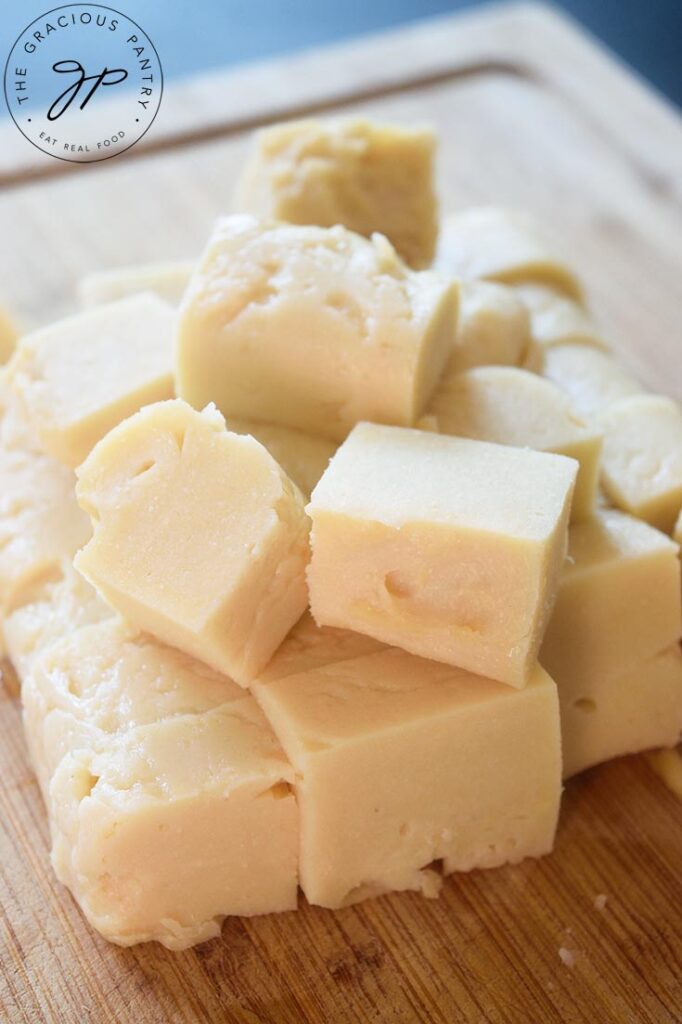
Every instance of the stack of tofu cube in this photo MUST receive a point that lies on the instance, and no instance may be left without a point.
(325, 559)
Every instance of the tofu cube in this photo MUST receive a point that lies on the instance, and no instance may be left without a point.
(638, 707)
(104, 679)
(79, 377)
(446, 547)
(492, 329)
(40, 521)
(501, 245)
(558, 320)
(642, 458)
(200, 538)
(303, 457)
(165, 830)
(169, 796)
(367, 176)
(507, 405)
(311, 328)
(53, 607)
(166, 280)
(394, 770)
(592, 379)
(618, 601)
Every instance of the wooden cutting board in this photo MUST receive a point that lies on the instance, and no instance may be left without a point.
(530, 113)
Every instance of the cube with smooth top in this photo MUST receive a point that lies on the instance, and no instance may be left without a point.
(446, 547)
(400, 762)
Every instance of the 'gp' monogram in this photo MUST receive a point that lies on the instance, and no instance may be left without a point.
(108, 76)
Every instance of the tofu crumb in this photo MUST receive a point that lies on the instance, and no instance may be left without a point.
(567, 957)
(668, 766)
(600, 901)
(431, 884)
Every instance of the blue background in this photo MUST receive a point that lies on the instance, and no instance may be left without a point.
(195, 35)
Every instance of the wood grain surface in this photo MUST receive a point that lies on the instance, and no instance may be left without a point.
(530, 113)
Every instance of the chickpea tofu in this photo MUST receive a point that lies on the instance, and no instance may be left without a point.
(501, 245)
(104, 679)
(166, 280)
(557, 320)
(592, 379)
(199, 537)
(642, 461)
(493, 327)
(446, 547)
(40, 521)
(367, 176)
(55, 606)
(79, 377)
(639, 707)
(618, 601)
(311, 328)
(511, 406)
(163, 831)
(393, 770)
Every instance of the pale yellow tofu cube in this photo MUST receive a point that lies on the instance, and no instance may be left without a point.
(106, 678)
(40, 521)
(166, 280)
(501, 245)
(642, 458)
(53, 607)
(558, 320)
(511, 406)
(365, 175)
(303, 457)
(401, 761)
(638, 707)
(163, 831)
(618, 601)
(592, 379)
(81, 376)
(446, 547)
(131, 740)
(313, 328)
(200, 538)
(492, 328)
